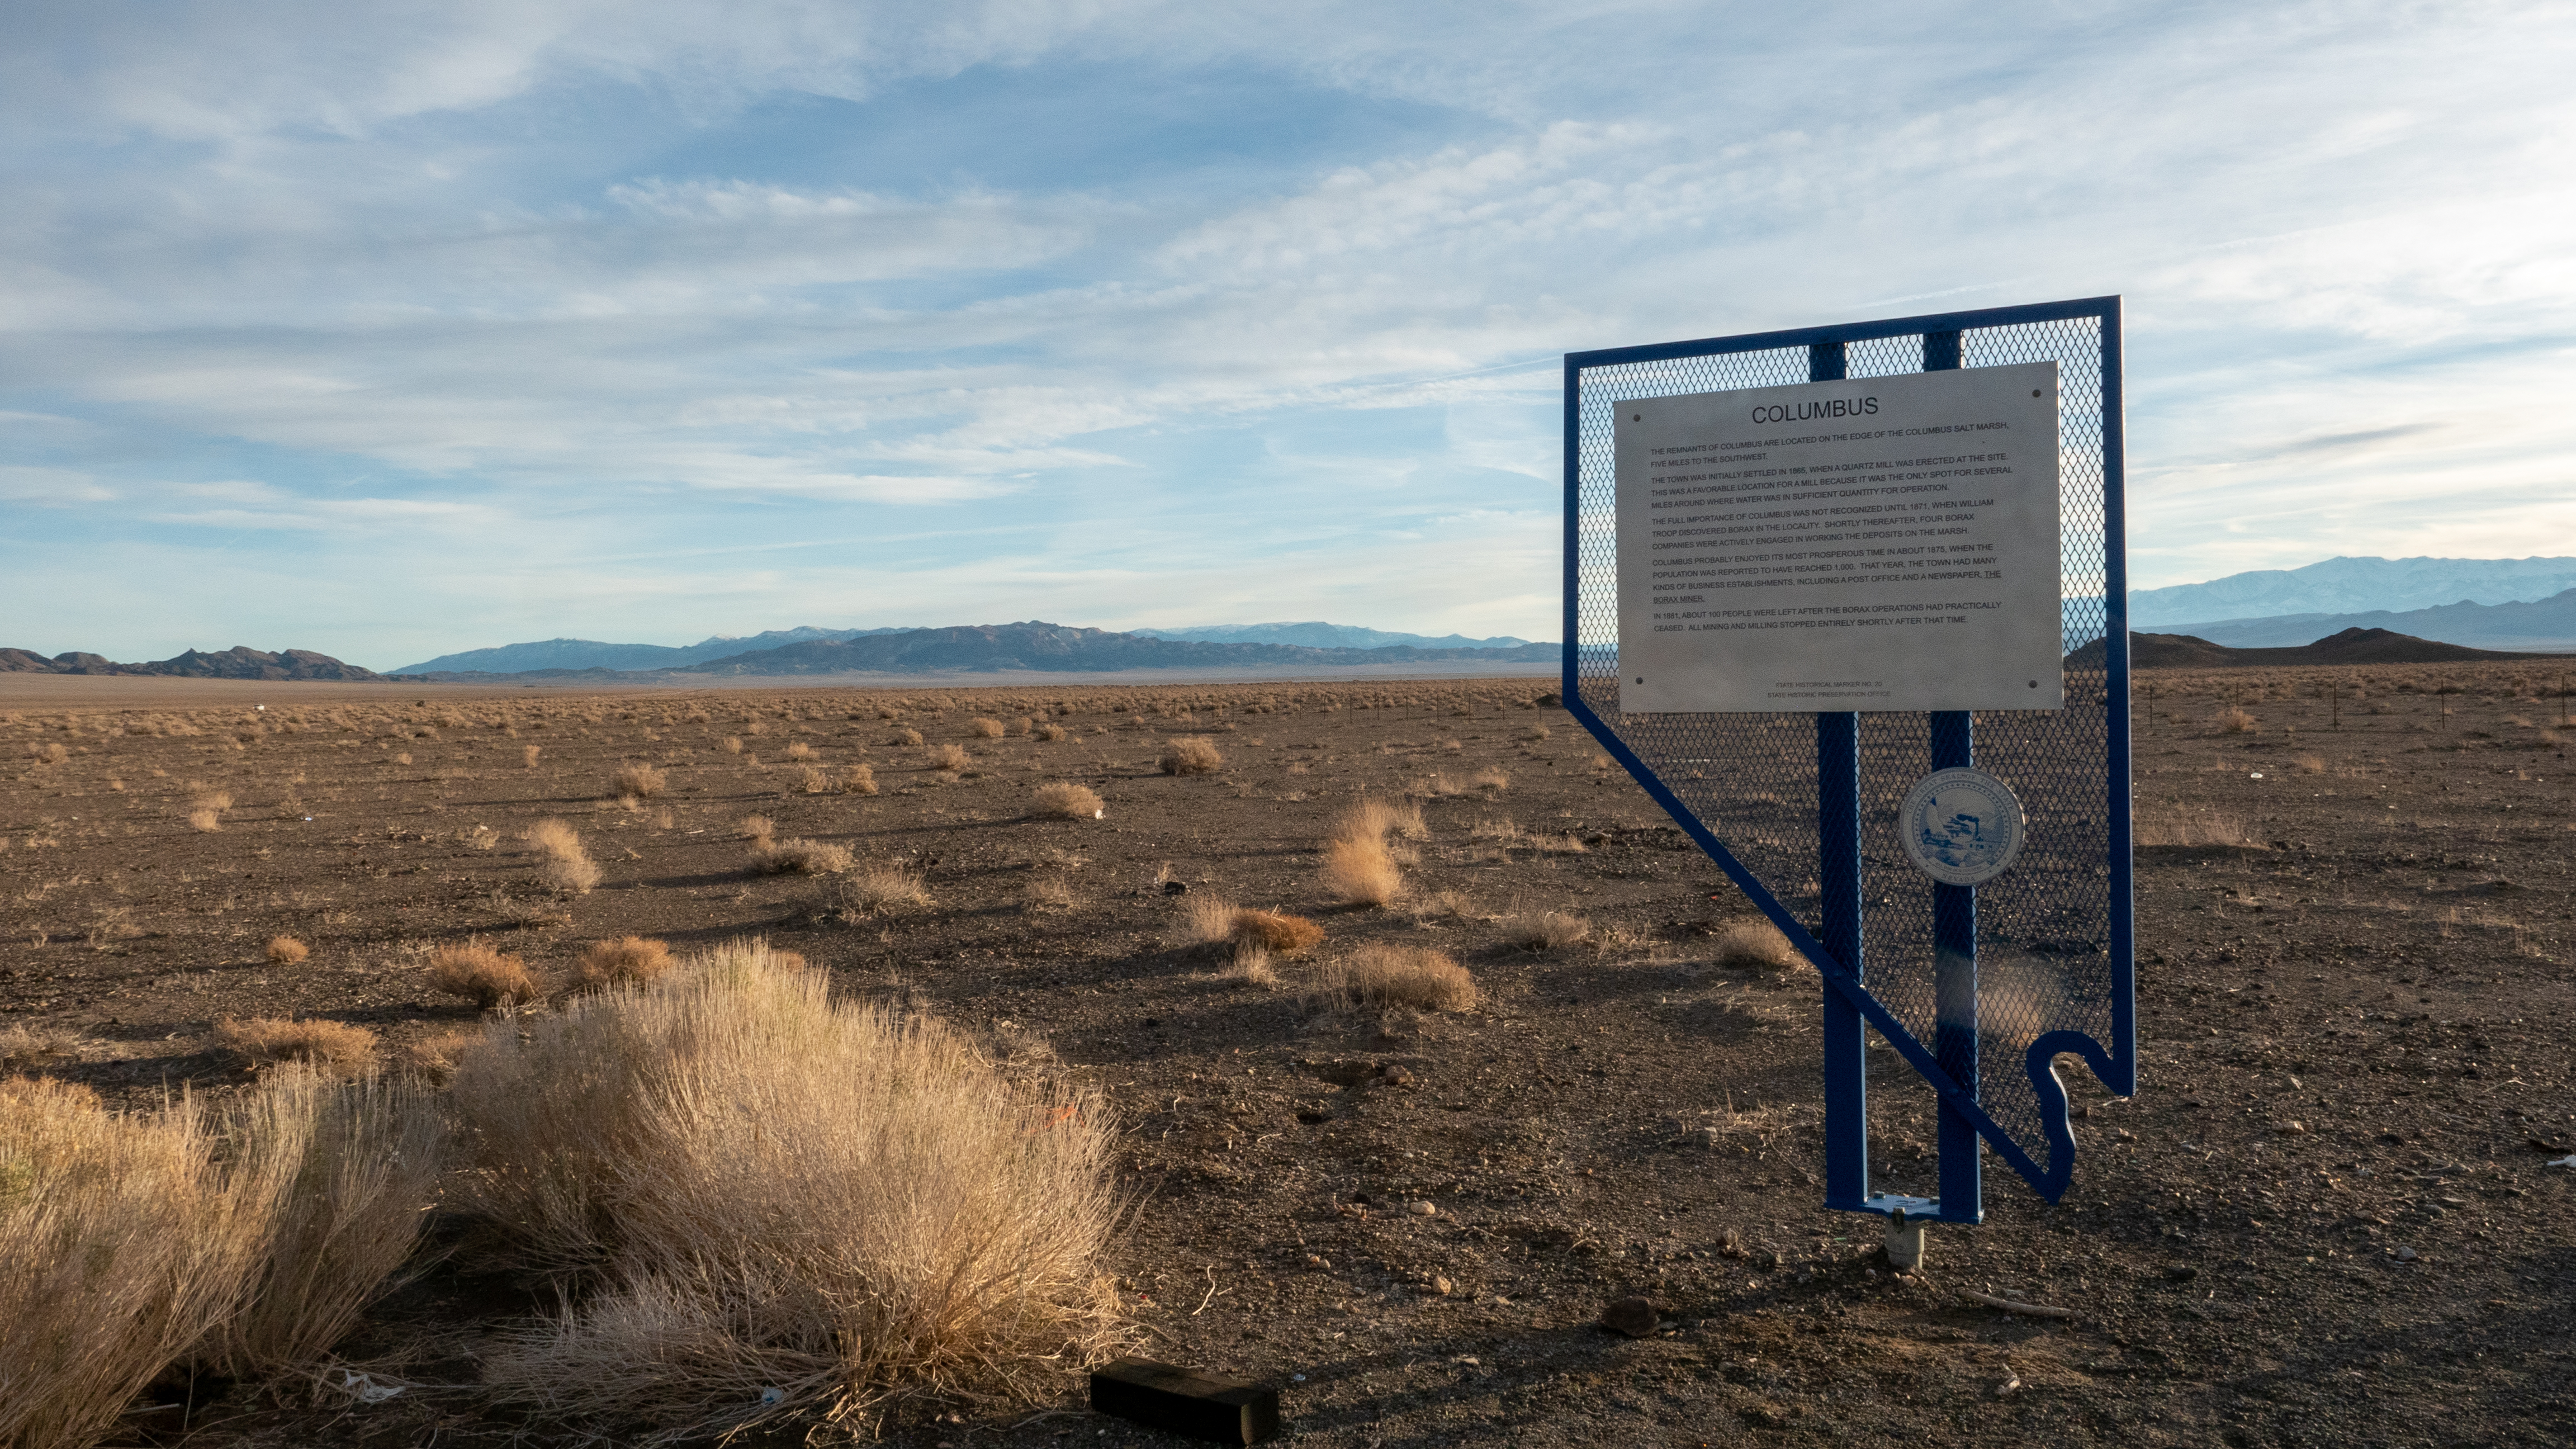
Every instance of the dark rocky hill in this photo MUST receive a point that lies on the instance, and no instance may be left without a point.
(238, 662)
(2352, 646)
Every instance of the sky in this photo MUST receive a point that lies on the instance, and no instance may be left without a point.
(391, 329)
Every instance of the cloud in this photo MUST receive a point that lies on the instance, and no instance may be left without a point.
(588, 285)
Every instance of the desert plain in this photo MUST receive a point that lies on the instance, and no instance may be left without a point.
(2329, 1217)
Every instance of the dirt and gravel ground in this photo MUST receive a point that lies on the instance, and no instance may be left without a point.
(2326, 1219)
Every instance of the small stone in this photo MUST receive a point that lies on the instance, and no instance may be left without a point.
(2294, 1128)
(1444, 1288)
(1317, 1260)
(1634, 1317)
(1176, 887)
(2406, 1255)
(1395, 1076)
(1424, 1209)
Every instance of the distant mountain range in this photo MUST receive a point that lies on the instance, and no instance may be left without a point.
(577, 654)
(238, 662)
(1327, 636)
(2350, 647)
(593, 654)
(1031, 645)
(2542, 626)
(2341, 587)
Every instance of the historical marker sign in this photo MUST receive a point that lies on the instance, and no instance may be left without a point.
(1889, 543)
(1849, 602)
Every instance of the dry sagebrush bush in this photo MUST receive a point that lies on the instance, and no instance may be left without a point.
(858, 780)
(1547, 930)
(367, 1156)
(118, 1252)
(986, 729)
(952, 758)
(129, 1242)
(1050, 732)
(1277, 932)
(34, 1048)
(567, 867)
(1191, 755)
(482, 975)
(625, 961)
(333, 1047)
(800, 751)
(902, 1222)
(206, 821)
(2233, 721)
(1362, 872)
(799, 857)
(1382, 975)
(286, 951)
(528, 755)
(756, 828)
(1064, 800)
(1756, 945)
(878, 888)
(640, 782)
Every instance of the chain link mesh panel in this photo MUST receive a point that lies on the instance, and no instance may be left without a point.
(2044, 928)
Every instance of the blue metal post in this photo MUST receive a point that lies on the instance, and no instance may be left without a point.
(1838, 872)
(1954, 945)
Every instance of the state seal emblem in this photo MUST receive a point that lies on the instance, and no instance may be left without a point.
(1961, 827)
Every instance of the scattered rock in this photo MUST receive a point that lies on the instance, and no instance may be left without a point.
(2294, 1128)
(1444, 1288)
(1634, 1317)
(1395, 1076)
(1424, 1209)
(1176, 887)
(2405, 1255)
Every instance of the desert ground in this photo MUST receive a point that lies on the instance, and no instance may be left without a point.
(2326, 1219)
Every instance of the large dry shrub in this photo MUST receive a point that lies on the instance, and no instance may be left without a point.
(340, 1234)
(130, 1241)
(115, 1257)
(1064, 800)
(286, 951)
(755, 1188)
(1382, 975)
(1362, 872)
(483, 975)
(333, 1047)
(952, 758)
(986, 729)
(1277, 932)
(857, 780)
(1192, 755)
(567, 867)
(640, 782)
(625, 961)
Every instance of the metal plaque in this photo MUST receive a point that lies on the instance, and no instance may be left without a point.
(1961, 827)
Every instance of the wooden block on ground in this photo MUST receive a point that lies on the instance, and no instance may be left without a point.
(1165, 1396)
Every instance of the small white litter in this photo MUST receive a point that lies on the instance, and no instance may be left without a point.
(366, 1390)
(772, 1396)
(2568, 1161)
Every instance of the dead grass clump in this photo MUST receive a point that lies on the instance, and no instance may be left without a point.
(1362, 872)
(333, 1047)
(1756, 946)
(1064, 800)
(568, 868)
(1048, 892)
(641, 782)
(204, 820)
(800, 751)
(950, 758)
(34, 1048)
(857, 780)
(909, 738)
(986, 729)
(1382, 975)
(1276, 932)
(1378, 817)
(2234, 721)
(435, 1056)
(482, 975)
(1050, 731)
(286, 951)
(799, 857)
(1491, 780)
(1191, 755)
(1547, 930)
(528, 755)
(904, 1221)
(625, 961)
(756, 828)
(879, 889)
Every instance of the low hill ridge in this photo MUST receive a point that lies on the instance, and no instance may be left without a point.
(238, 662)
